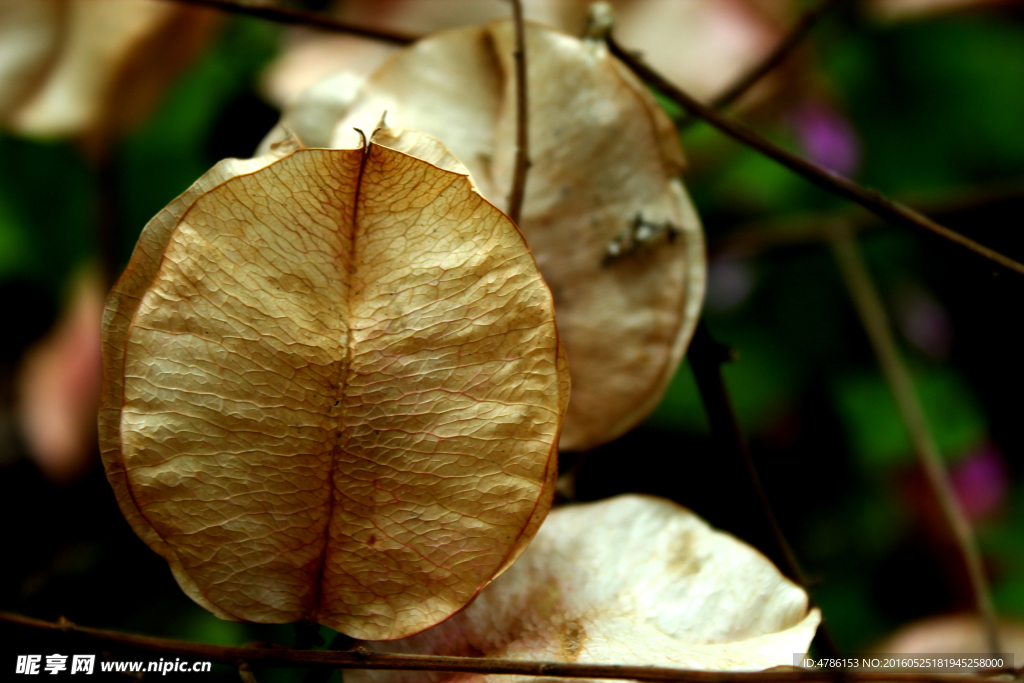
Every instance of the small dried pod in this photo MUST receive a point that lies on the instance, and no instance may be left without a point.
(333, 388)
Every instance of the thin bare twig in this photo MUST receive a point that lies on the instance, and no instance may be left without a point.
(872, 200)
(706, 357)
(817, 226)
(801, 29)
(361, 658)
(284, 15)
(522, 161)
(897, 376)
(323, 674)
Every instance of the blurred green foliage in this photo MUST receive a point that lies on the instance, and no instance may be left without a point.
(877, 436)
(47, 210)
(938, 103)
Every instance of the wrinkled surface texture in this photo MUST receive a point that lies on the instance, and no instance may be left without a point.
(630, 580)
(81, 66)
(602, 154)
(332, 390)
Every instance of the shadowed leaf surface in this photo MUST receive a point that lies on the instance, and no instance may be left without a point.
(630, 580)
(605, 161)
(333, 389)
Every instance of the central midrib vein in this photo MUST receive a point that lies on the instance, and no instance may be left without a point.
(343, 376)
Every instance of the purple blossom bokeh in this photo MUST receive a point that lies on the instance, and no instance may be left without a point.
(826, 137)
(981, 482)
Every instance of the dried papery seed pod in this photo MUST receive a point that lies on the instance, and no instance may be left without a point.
(333, 388)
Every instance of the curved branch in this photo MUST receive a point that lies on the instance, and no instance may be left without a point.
(801, 29)
(706, 356)
(522, 160)
(283, 15)
(361, 658)
(757, 236)
(872, 200)
(901, 385)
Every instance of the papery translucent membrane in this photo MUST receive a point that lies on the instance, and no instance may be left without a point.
(333, 389)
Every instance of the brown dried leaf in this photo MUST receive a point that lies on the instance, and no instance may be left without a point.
(86, 66)
(629, 580)
(333, 390)
(603, 156)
